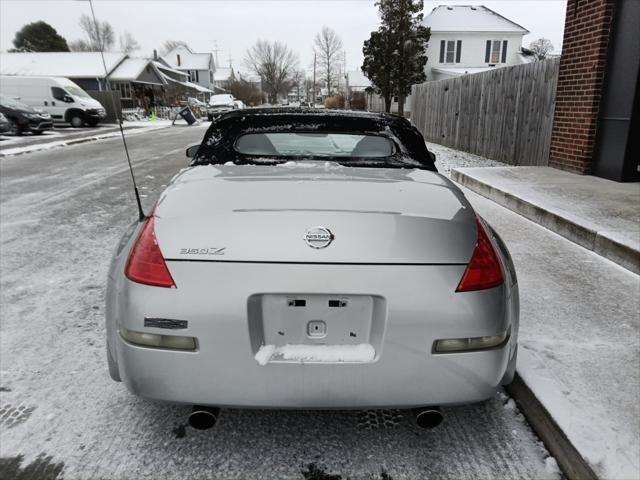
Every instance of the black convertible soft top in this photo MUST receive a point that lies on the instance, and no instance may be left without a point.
(218, 143)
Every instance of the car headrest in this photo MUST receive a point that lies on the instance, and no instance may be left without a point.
(371, 146)
(256, 144)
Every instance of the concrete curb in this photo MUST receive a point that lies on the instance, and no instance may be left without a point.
(576, 230)
(64, 143)
(572, 464)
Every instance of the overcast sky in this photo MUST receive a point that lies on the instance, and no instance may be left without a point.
(235, 25)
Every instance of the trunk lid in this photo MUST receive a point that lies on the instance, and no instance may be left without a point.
(263, 213)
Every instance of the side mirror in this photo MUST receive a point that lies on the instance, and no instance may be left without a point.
(67, 99)
(192, 150)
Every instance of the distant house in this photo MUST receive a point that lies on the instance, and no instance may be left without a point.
(471, 39)
(199, 66)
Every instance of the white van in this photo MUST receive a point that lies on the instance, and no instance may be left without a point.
(65, 101)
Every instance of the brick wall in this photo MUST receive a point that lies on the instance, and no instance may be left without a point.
(580, 80)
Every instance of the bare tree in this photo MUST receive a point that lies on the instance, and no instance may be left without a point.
(99, 36)
(275, 64)
(297, 81)
(79, 46)
(541, 48)
(171, 44)
(128, 44)
(245, 91)
(328, 47)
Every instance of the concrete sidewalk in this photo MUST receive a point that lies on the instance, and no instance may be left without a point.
(579, 340)
(598, 214)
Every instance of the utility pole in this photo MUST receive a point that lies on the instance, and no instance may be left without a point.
(314, 79)
(216, 50)
(347, 103)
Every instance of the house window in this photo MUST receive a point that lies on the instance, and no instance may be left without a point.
(124, 88)
(450, 51)
(496, 51)
(193, 76)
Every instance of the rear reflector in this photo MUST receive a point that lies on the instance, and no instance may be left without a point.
(452, 345)
(172, 342)
(146, 264)
(484, 269)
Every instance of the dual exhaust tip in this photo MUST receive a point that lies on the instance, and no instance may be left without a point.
(204, 418)
(428, 417)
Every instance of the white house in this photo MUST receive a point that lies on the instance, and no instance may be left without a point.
(199, 66)
(223, 76)
(471, 39)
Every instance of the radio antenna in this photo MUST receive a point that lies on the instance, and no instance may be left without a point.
(115, 110)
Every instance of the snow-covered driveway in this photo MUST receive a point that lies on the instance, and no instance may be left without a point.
(61, 214)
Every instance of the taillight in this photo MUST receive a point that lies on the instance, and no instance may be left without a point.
(146, 264)
(484, 269)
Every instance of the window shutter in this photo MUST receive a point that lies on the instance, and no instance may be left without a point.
(487, 52)
(442, 51)
(458, 51)
(504, 51)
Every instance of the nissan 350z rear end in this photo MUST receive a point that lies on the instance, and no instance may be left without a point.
(310, 260)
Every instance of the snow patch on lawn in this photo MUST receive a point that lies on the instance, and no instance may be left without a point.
(360, 353)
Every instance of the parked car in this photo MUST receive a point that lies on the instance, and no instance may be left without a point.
(312, 259)
(22, 118)
(65, 101)
(4, 124)
(219, 104)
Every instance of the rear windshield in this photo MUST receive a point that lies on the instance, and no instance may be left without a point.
(313, 145)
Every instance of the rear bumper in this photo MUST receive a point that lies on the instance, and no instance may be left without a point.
(206, 379)
(421, 307)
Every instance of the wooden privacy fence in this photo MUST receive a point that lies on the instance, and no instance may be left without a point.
(505, 114)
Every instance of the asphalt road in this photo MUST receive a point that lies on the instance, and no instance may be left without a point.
(61, 214)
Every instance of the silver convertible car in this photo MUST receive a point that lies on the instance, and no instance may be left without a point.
(312, 259)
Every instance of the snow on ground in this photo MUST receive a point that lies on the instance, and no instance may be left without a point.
(132, 128)
(580, 321)
(579, 339)
(8, 139)
(448, 158)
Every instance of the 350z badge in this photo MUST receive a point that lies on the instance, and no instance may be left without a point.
(203, 251)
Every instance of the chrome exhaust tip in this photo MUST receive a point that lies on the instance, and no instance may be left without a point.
(203, 418)
(428, 417)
